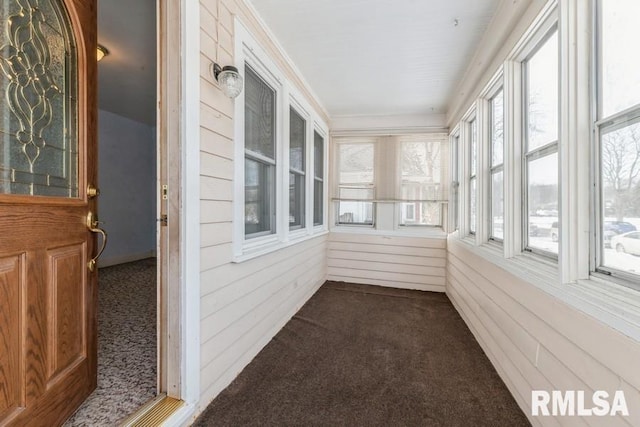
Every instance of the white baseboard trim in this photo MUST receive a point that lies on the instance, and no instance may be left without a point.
(122, 259)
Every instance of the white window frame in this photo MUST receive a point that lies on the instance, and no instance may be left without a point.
(466, 172)
(484, 170)
(387, 206)
(454, 189)
(405, 210)
(322, 130)
(336, 208)
(600, 125)
(271, 162)
(249, 51)
(270, 74)
(537, 153)
(572, 279)
(303, 110)
(494, 169)
(444, 168)
(473, 173)
(509, 78)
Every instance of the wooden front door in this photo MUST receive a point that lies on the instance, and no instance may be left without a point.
(48, 292)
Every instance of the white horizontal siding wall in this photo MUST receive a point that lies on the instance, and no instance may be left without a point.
(384, 260)
(243, 305)
(537, 342)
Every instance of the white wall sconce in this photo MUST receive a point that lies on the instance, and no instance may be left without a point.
(228, 78)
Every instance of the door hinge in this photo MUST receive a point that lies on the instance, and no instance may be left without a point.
(163, 220)
(165, 192)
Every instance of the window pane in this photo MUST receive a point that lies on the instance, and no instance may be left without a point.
(355, 213)
(542, 199)
(420, 213)
(456, 184)
(497, 129)
(296, 201)
(356, 163)
(259, 198)
(542, 95)
(38, 100)
(621, 198)
(297, 132)
(472, 205)
(472, 181)
(620, 66)
(259, 115)
(318, 205)
(420, 163)
(497, 205)
(473, 126)
(318, 155)
(318, 184)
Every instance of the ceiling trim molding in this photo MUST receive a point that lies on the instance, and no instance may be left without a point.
(388, 124)
(389, 131)
(505, 29)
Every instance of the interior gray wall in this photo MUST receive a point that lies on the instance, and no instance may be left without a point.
(127, 181)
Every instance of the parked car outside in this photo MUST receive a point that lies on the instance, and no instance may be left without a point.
(613, 228)
(627, 242)
(619, 227)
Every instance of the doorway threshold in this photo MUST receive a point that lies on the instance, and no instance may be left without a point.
(154, 412)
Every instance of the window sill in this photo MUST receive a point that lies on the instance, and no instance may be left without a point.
(611, 303)
(273, 245)
(433, 233)
(529, 267)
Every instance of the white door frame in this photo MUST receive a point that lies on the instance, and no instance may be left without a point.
(179, 169)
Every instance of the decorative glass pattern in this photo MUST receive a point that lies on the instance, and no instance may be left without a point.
(38, 102)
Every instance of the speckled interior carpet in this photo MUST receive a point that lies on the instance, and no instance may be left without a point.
(126, 344)
(358, 355)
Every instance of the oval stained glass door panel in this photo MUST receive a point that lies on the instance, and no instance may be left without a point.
(38, 102)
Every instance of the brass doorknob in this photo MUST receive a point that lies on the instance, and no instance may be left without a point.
(92, 191)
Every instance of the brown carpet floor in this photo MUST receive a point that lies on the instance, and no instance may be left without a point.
(358, 355)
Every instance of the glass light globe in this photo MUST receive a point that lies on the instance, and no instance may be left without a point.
(230, 81)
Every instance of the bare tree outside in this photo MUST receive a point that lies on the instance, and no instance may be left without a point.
(621, 172)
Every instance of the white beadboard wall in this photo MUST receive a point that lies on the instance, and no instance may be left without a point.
(243, 305)
(537, 342)
(386, 260)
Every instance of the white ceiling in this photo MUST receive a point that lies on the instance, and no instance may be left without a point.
(379, 57)
(360, 57)
(127, 77)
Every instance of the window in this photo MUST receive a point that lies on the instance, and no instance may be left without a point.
(281, 158)
(496, 182)
(541, 147)
(420, 181)
(260, 156)
(297, 154)
(391, 183)
(618, 130)
(356, 183)
(408, 212)
(473, 181)
(318, 178)
(455, 185)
